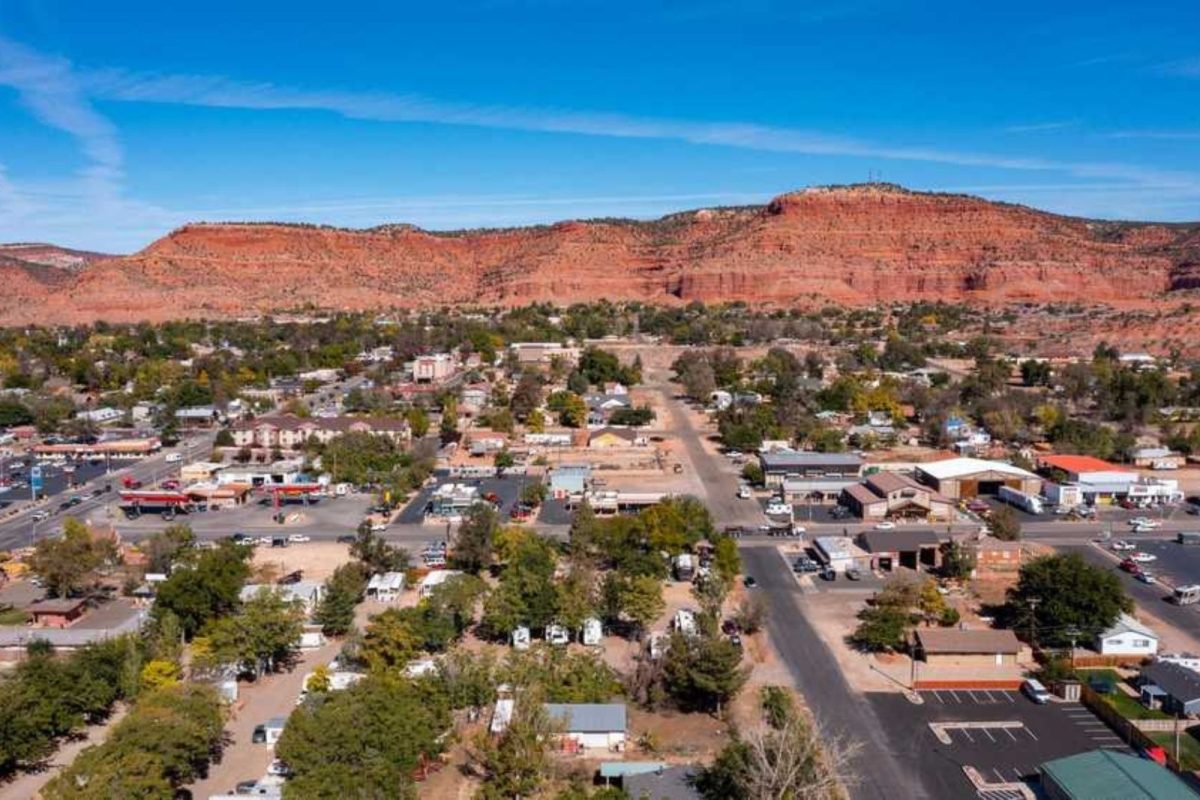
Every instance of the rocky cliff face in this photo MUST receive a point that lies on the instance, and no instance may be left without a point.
(853, 245)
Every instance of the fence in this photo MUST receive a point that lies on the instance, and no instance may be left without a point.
(1125, 728)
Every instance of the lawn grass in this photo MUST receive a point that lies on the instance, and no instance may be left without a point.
(1130, 708)
(1189, 748)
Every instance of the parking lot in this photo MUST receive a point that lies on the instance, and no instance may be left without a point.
(326, 519)
(507, 488)
(1002, 735)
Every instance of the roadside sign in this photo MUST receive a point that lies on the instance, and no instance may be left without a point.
(35, 481)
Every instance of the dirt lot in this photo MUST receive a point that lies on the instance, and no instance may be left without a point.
(317, 560)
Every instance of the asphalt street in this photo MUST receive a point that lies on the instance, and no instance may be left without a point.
(881, 766)
(21, 530)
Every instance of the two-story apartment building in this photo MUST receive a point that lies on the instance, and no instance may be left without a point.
(289, 432)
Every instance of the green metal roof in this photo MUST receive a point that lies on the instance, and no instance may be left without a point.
(1105, 775)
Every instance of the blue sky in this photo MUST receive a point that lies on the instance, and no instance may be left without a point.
(120, 121)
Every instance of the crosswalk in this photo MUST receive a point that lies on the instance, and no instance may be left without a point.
(1001, 794)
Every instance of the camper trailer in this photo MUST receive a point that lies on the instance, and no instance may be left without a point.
(557, 634)
(593, 632)
(520, 638)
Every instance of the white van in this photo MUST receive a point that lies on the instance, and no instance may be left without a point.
(173, 458)
(1035, 691)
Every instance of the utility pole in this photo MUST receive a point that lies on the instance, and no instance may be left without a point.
(1073, 634)
(1033, 604)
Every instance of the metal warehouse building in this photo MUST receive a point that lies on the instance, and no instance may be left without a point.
(964, 478)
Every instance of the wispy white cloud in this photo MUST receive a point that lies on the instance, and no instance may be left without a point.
(47, 87)
(220, 92)
(1180, 135)
(1181, 68)
(1039, 127)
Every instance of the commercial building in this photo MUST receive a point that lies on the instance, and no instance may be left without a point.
(839, 553)
(433, 368)
(964, 478)
(780, 466)
(543, 353)
(1127, 637)
(1101, 482)
(1156, 458)
(902, 549)
(569, 480)
(890, 495)
(954, 647)
(289, 432)
(1102, 774)
(590, 725)
(100, 416)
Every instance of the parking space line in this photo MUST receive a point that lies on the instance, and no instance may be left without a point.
(1018, 772)
(954, 694)
(1010, 734)
(1031, 733)
(938, 695)
(1008, 696)
(974, 699)
(989, 734)
(967, 733)
(999, 777)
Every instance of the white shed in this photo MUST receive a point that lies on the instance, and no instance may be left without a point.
(1127, 637)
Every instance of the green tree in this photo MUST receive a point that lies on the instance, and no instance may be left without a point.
(449, 424)
(473, 540)
(642, 600)
(343, 592)
(67, 564)
(1004, 525)
(390, 641)
(418, 421)
(208, 588)
(1071, 595)
(516, 764)
(882, 628)
(726, 560)
(262, 636)
(504, 459)
(162, 548)
(958, 562)
(364, 742)
(375, 553)
(703, 672)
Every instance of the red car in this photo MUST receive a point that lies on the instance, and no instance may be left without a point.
(1131, 566)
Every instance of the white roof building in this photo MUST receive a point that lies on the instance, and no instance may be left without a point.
(956, 467)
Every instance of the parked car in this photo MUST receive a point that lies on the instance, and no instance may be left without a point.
(259, 736)
(778, 508)
(806, 564)
(1146, 576)
(1121, 544)
(853, 574)
(1144, 558)
(828, 574)
(347, 538)
(1129, 565)
(1035, 691)
(749, 582)
(743, 493)
(885, 526)
(299, 538)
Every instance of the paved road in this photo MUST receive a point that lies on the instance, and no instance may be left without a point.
(20, 530)
(881, 771)
(718, 477)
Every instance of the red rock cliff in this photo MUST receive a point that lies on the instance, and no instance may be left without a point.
(854, 245)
